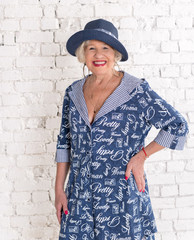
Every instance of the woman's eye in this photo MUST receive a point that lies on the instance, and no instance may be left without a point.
(91, 48)
(105, 47)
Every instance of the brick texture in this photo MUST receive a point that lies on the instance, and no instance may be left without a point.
(35, 69)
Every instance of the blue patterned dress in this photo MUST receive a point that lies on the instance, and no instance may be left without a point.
(102, 205)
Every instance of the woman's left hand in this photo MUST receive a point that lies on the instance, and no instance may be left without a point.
(136, 165)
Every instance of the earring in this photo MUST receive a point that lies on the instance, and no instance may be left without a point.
(84, 69)
(119, 69)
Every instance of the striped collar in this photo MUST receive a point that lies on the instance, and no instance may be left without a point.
(120, 95)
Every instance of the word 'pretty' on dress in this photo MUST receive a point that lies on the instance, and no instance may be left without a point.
(102, 205)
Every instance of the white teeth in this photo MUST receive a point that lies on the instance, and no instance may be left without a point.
(99, 62)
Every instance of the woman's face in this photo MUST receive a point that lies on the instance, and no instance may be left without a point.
(100, 57)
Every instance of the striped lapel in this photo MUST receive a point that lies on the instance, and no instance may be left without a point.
(117, 98)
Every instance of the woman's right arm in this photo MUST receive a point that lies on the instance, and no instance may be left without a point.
(60, 196)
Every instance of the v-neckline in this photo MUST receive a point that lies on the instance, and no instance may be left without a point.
(82, 92)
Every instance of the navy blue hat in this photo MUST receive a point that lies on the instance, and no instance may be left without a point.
(101, 30)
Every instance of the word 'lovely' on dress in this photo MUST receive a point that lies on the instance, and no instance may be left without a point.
(103, 205)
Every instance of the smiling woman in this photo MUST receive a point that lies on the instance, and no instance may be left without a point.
(80, 52)
(105, 120)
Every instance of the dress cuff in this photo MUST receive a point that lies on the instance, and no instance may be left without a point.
(170, 141)
(62, 155)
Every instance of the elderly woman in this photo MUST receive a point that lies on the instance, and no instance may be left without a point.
(106, 117)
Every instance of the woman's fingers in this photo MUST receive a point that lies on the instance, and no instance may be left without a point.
(128, 171)
(138, 173)
(61, 206)
(59, 209)
(65, 210)
(140, 181)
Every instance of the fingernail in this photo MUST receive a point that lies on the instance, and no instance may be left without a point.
(144, 190)
(66, 212)
(140, 190)
(126, 177)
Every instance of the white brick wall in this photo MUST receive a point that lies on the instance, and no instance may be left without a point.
(35, 69)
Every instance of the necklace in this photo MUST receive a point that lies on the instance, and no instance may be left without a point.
(91, 96)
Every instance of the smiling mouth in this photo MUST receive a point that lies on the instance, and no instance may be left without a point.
(99, 63)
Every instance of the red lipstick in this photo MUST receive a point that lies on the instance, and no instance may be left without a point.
(99, 63)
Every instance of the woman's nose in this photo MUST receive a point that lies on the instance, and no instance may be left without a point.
(98, 53)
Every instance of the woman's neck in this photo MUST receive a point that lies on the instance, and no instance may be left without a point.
(100, 79)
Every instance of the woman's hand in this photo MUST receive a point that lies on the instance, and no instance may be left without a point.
(61, 204)
(136, 165)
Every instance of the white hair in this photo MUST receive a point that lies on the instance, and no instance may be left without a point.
(80, 53)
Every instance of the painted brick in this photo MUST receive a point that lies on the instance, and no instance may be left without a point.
(128, 22)
(185, 224)
(34, 36)
(15, 148)
(187, 201)
(166, 22)
(9, 38)
(168, 214)
(8, 51)
(151, 58)
(184, 22)
(21, 197)
(151, 10)
(6, 62)
(49, 10)
(164, 226)
(182, 9)
(35, 135)
(23, 11)
(185, 70)
(175, 166)
(50, 49)
(10, 25)
(186, 189)
(185, 235)
(49, 23)
(20, 221)
(182, 34)
(35, 62)
(30, 24)
(169, 235)
(38, 221)
(75, 10)
(113, 10)
(35, 69)
(186, 45)
(165, 178)
(34, 160)
(28, 186)
(185, 177)
(169, 46)
(156, 35)
(52, 74)
(163, 203)
(40, 197)
(34, 86)
(35, 209)
(186, 213)
(169, 191)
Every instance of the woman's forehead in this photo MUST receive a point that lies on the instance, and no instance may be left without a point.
(96, 42)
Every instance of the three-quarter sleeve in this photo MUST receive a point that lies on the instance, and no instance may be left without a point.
(63, 139)
(173, 126)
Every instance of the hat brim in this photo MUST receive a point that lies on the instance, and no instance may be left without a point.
(90, 34)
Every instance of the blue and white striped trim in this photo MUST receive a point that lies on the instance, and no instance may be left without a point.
(62, 155)
(105, 31)
(165, 139)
